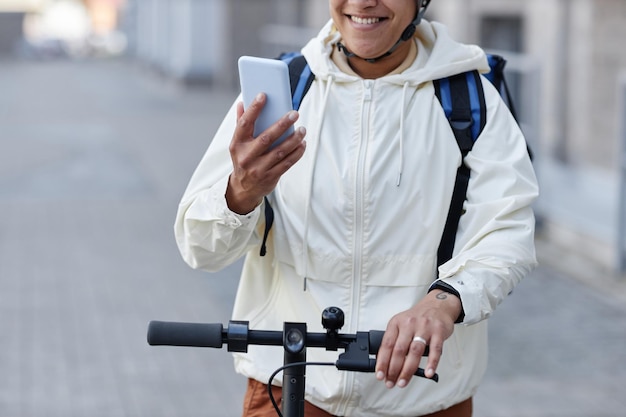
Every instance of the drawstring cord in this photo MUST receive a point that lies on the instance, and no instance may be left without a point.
(305, 235)
(401, 144)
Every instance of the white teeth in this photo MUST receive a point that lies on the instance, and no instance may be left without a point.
(365, 21)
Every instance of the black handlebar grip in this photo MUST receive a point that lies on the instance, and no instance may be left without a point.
(185, 334)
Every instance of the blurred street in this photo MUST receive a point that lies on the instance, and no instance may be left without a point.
(94, 156)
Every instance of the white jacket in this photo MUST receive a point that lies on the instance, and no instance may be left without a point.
(365, 241)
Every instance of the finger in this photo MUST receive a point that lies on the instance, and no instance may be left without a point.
(434, 355)
(384, 352)
(398, 358)
(239, 110)
(288, 154)
(411, 362)
(289, 145)
(276, 130)
(247, 117)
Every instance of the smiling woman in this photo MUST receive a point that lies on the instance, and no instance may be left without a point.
(359, 209)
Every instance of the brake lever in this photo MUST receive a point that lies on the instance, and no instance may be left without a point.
(357, 357)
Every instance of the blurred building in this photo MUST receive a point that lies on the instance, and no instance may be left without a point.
(565, 61)
(576, 45)
(45, 29)
(200, 40)
(12, 14)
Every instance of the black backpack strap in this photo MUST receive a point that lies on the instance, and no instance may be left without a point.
(463, 102)
(497, 78)
(300, 78)
(269, 221)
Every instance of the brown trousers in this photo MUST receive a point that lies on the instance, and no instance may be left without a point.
(257, 404)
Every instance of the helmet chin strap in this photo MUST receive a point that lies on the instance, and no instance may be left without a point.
(406, 35)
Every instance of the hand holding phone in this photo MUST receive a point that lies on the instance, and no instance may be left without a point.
(269, 76)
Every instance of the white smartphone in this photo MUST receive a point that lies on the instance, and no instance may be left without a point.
(269, 76)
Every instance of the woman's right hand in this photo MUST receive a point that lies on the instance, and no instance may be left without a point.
(256, 167)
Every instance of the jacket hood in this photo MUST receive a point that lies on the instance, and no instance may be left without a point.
(439, 55)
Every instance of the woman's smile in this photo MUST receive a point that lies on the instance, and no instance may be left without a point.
(366, 21)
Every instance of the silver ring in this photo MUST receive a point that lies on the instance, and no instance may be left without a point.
(420, 339)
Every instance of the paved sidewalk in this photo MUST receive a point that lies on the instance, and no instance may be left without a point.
(93, 159)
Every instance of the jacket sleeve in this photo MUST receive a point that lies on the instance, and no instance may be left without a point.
(494, 247)
(208, 234)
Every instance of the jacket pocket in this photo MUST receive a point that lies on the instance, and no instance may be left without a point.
(318, 265)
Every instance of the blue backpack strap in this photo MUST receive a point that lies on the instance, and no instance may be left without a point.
(300, 78)
(463, 101)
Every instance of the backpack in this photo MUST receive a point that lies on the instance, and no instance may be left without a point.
(463, 101)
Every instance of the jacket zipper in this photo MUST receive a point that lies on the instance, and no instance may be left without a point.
(359, 203)
(357, 242)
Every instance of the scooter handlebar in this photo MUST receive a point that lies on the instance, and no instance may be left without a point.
(237, 337)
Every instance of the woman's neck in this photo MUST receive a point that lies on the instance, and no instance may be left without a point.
(398, 61)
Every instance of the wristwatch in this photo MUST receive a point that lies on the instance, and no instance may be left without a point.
(445, 287)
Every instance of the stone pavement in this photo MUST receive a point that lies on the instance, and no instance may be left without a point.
(93, 159)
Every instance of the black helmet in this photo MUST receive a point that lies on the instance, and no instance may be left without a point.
(422, 5)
